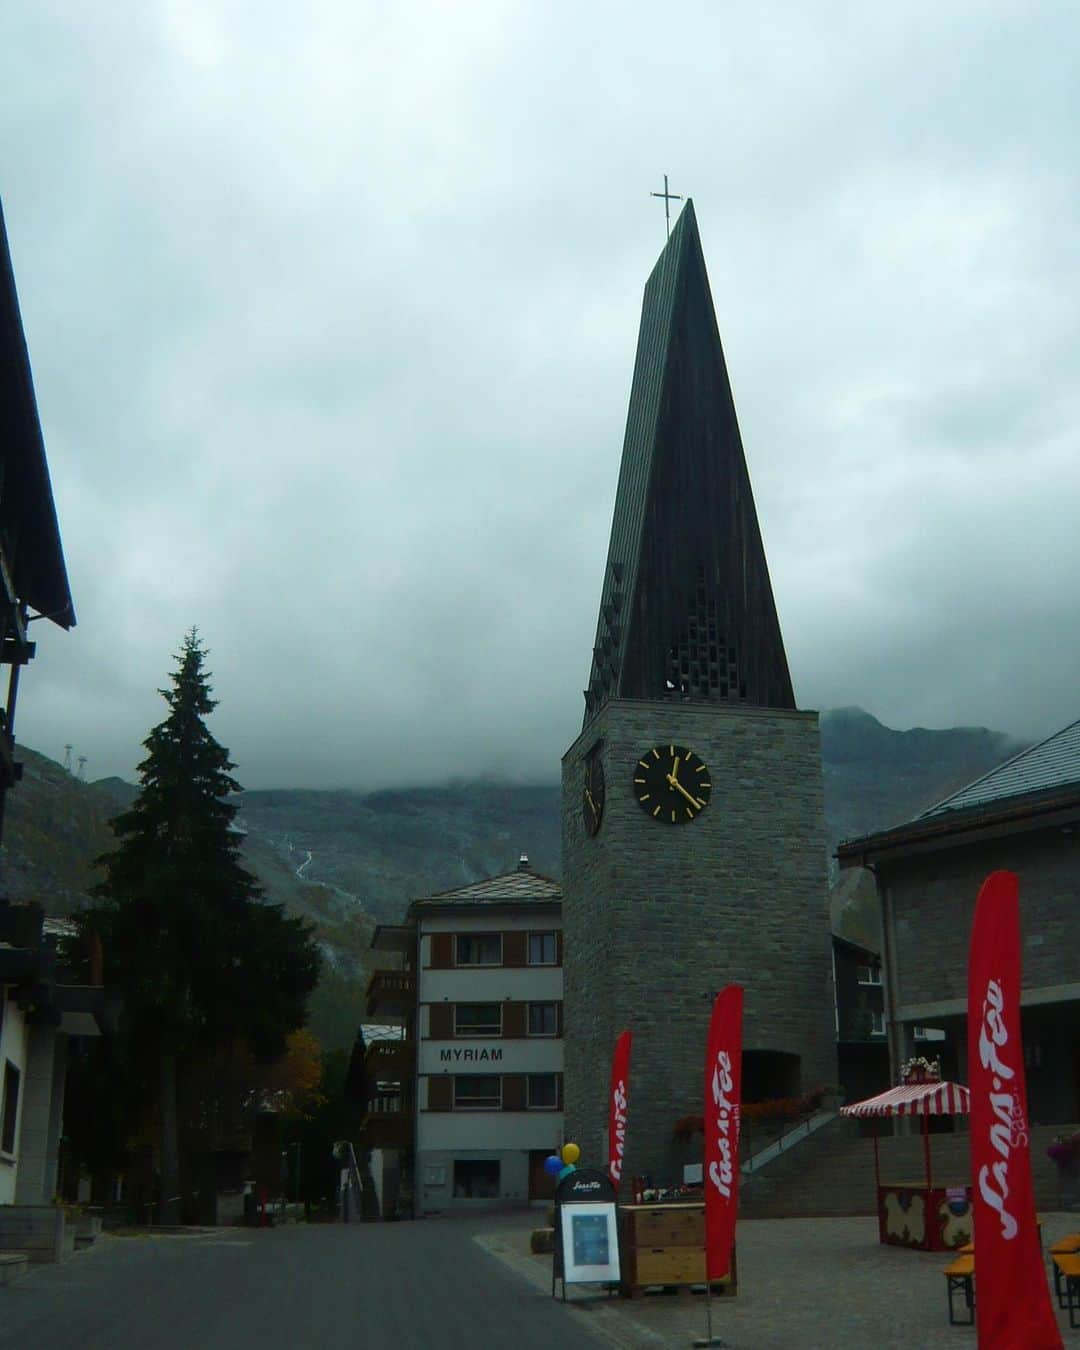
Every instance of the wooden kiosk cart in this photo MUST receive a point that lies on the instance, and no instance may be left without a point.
(929, 1214)
(664, 1244)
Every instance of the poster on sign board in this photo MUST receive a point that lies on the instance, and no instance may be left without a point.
(590, 1243)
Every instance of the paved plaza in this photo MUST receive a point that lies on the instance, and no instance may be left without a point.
(470, 1284)
(810, 1284)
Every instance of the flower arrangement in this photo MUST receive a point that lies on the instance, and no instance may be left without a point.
(1065, 1149)
(920, 1070)
(775, 1108)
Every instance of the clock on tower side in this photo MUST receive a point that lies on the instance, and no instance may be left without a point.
(658, 917)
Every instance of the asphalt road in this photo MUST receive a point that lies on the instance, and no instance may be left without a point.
(371, 1286)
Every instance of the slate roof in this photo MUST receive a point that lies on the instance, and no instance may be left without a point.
(686, 564)
(40, 573)
(1029, 787)
(522, 886)
(381, 1031)
(1053, 763)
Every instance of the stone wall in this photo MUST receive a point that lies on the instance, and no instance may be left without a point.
(37, 1230)
(658, 918)
(832, 1172)
(933, 902)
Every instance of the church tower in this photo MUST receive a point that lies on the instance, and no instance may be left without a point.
(692, 818)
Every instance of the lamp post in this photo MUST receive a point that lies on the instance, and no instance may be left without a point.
(298, 1145)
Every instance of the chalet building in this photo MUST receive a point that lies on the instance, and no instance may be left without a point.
(42, 1007)
(464, 1109)
(39, 1011)
(33, 575)
(1024, 817)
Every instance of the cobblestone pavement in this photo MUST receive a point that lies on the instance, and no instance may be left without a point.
(804, 1284)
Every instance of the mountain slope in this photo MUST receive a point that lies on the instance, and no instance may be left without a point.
(346, 859)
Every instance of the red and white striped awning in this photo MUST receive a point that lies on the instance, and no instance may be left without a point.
(915, 1099)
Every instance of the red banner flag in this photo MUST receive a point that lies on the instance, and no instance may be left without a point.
(618, 1100)
(723, 1080)
(1012, 1302)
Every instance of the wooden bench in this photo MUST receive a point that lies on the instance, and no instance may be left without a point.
(960, 1276)
(1066, 1246)
(1067, 1279)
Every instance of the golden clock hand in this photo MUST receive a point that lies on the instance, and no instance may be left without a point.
(679, 788)
(589, 799)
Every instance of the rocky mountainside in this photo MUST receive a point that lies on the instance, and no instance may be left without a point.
(389, 847)
(346, 859)
(56, 827)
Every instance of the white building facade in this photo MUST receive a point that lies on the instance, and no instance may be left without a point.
(489, 1042)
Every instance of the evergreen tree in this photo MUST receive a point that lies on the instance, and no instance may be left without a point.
(200, 961)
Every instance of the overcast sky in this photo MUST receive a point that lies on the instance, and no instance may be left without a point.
(332, 312)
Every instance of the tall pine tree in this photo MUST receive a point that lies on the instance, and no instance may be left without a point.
(200, 960)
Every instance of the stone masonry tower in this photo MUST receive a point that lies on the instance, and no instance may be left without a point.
(692, 821)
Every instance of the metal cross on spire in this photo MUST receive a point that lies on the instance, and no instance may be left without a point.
(668, 197)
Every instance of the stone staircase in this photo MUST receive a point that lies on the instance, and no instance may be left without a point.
(769, 1152)
(830, 1170)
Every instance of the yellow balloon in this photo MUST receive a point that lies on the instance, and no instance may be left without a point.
(570, 1154)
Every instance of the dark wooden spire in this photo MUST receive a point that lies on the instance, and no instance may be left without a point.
(687, 609)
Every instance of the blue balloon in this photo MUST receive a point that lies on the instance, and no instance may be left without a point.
(553, 1165)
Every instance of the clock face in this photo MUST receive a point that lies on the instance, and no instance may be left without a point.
(672, 784)
(592, 798)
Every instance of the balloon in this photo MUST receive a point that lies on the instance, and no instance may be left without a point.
(566, 1171)
(553, 1165)
(570, 1153)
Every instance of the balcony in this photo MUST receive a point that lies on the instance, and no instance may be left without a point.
(388, 1121)
(390, 993)
(390, 1060)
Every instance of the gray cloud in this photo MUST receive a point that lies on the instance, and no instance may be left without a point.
(332, 312)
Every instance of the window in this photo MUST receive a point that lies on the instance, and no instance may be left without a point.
(543, 1019)
(478, 1019)
(542, 949)
(543, 1092)
(877, 1024)
(869, 974)
(478, 949)
(11, 1107)
(478, 1092)
(476, 1179)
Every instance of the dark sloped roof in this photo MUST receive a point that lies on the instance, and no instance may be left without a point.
(1036, 783)
(40, 573)
(686, 569)
(1052, 763)
(523, 886)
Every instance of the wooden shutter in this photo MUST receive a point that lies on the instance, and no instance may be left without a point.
(558, 1091)
(513, 1092)
(440, 1092)
(514, 948)
(442, 951)
(515, 1019)
(558, 1018)
(558, 947)
(440, 1021)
